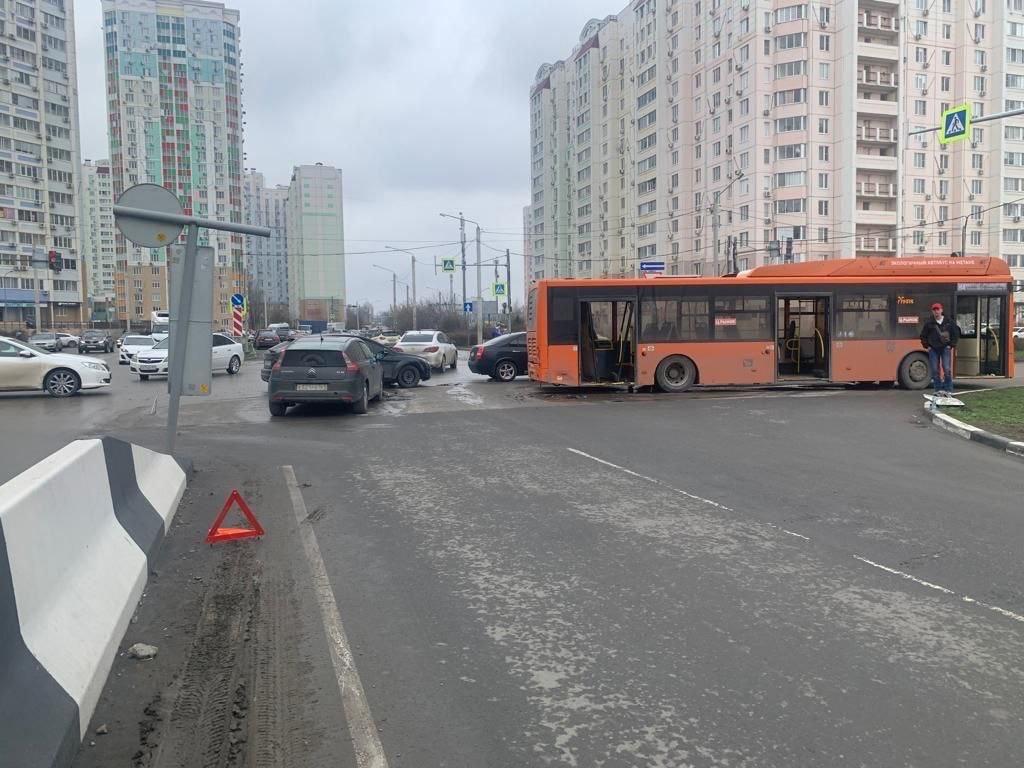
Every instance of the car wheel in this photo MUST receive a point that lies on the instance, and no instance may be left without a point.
(234, 365)
(61, 382)
(455, 361)
(505, 370)
(915, 372)
(143, 377)
(408, 377)
(360, 405)
(676, 374)
(278, 409)
(81, 350)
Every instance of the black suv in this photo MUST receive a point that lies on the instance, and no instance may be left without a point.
(95, 340)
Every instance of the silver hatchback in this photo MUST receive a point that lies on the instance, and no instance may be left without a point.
(323, 370)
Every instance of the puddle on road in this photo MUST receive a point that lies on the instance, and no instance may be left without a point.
(460, 393)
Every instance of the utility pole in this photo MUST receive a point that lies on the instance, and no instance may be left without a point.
(963, 236)
(508, 289)
(394, 299)
(412, 255)
(38, 319)
(462, 238)
(714, 230)
(479, 292)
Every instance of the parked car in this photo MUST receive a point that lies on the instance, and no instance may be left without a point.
(502, 358)
(401, 368)
(1018, 332)
(432, 346)
(45, 340)
(270, 357)
(319, 369)
(95, 340)
(227, 356)
(267, 339)
(387, 337)
(66, 340)
(27, 367)
(132, 345)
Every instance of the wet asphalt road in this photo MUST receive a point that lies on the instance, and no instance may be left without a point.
(533, 578)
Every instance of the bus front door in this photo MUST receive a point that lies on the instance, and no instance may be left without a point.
(607, 342)
(802, 343)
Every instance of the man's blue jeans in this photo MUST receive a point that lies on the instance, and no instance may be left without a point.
(943, 383)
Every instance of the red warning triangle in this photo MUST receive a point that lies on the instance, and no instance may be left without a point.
(217, 533)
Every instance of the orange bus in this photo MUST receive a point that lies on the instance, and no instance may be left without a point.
(845, 320)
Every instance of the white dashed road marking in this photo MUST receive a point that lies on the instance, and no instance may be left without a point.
(651, 480)
(365, 741)
(937, 587)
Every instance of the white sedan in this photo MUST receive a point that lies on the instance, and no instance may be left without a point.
(132, 345)
(25, 367)
(227, 356)
(432, 346)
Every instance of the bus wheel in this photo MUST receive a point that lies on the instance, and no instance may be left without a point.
(914, 371)
(676, 374)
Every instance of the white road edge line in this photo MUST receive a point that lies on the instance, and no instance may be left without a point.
(365, 741)
(688, 495)
(943, 590)
(798, 535)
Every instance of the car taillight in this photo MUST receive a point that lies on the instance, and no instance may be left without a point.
(476, 353)
(432, 349)
(350, 365)
(277, 365)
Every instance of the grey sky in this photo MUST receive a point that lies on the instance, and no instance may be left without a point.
(424, 106)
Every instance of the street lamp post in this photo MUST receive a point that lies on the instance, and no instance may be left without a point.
(394, 293)
(412, 255)
(478, 305)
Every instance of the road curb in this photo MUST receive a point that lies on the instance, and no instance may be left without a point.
(77, 533)
(1012, 448)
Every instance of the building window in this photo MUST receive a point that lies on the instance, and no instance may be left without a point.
(823, 98)
(823, 125)
(823, 207)
(822, 181)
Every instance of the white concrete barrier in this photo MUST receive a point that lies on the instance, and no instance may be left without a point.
(76, 532)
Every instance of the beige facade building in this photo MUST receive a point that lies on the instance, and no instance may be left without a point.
(96, 220)
(40, 168)
(316, 245)
(786, 121)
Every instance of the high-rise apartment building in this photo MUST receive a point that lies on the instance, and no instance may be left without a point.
(174, 118)
(689, 131)
(39, 166)
(316, 245)
(266, 259)
(96, 219)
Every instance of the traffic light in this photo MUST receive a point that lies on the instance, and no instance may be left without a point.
(55, 261)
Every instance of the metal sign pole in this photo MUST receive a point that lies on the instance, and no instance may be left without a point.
(179, 343)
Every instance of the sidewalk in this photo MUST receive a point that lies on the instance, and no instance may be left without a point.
(993, 410)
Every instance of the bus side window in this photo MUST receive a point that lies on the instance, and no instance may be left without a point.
(563, 316)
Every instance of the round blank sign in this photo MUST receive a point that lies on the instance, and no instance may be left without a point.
(143, 232)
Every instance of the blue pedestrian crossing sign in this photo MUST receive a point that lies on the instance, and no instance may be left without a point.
(499, 289)
(467, 307)
(447, 265)
(956, 122)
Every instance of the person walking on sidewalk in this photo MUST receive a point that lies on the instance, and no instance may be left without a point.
(940, 336)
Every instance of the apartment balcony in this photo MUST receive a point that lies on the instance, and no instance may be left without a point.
(876, 163)
(876, 22)
(876, 134)
(877, 107)
(879, 50)
(878, 79)
(875, 189)
(876, 244)
(876, 218)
